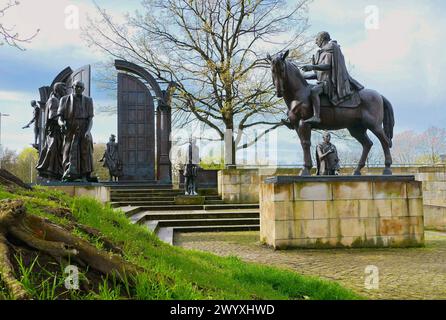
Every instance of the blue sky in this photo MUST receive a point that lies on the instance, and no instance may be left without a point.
(403, 59)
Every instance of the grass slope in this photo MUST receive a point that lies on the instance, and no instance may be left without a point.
(171, 272)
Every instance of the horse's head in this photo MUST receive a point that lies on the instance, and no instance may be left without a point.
(278, 69)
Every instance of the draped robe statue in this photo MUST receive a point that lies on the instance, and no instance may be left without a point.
(111, 159)
(76, 119)
(50, 160)
(327, 158)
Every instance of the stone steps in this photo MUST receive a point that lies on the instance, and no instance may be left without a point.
(165, 224)
(194, 215)
(194, 207)
(207, 222)
(162, 205)
(156, 209)
(144, 193)
(142, 203)
(160, 190)
(168, 234)
(129, 198)
(217, 228)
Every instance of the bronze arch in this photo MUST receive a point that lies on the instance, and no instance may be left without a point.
(63, 76)
(126, 66)
(163, 116)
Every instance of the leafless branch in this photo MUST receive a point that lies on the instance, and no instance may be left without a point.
(7, 34)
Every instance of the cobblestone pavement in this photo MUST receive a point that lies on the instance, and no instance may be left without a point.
(414, 273)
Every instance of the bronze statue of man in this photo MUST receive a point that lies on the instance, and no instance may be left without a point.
(191, 169)
(76, 120)
(332, 76)
(50, 161)
(327, 157)
(36, 121)
(111, 159)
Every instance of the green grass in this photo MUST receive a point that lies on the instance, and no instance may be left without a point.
(171, 272)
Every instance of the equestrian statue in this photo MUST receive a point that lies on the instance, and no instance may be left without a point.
(336, 102)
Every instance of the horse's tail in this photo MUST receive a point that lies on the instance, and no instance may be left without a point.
(389, 120)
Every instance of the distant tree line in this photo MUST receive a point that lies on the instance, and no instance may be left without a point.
(409, 148)
(23, 164)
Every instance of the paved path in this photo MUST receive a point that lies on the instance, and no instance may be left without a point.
(416, 273)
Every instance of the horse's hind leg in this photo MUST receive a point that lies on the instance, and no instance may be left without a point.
(360, 134)
(381, 135)
(304, 132)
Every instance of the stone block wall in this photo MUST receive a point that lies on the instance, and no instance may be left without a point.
(341, 212)
(434, 196)
(239, 185)
(433, 179)
(243, 185)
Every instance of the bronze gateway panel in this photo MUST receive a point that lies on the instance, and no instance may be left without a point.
(82, 74)
(136, 129)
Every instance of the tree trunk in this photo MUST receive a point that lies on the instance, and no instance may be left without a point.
(230, 149)
(53, 240)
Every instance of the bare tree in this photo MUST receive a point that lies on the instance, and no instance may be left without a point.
(433, 143)
(8, 35)
(406, 147)
(215, 53)
(410, 147)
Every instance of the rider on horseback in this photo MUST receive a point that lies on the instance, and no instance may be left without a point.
(332, 77)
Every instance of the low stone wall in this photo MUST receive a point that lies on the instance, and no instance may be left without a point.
(243, 185)
(434, 196)
(368, 211)
(435, 217)
(97, 191)
(205, 178)
(239, 185)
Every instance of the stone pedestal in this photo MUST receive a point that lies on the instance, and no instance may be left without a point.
(341, 211)
(189, 200)
(94, 190)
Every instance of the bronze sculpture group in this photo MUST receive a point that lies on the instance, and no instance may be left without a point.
(336, 102)
(67, 152)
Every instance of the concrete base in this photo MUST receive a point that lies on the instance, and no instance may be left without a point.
(189, 200)
(341, 211)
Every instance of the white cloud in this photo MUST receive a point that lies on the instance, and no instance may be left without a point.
(56, 21)
(15, 96)
(403, 59)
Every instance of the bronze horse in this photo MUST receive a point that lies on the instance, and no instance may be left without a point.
(374, 113)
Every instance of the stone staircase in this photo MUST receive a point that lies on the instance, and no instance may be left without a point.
(154, 206)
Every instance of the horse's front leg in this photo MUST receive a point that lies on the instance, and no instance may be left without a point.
(304, 132)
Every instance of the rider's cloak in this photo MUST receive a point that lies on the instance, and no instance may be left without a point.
(340, 85)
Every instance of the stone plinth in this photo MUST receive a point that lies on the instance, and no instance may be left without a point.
(341, 211)
(189, 200)
(93, 190)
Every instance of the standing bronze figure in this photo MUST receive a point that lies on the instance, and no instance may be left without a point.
(50, 161)
(373, 112)
(327, 157)
(36, 121)
(191, 169)
(76, 121)
(111, 159)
